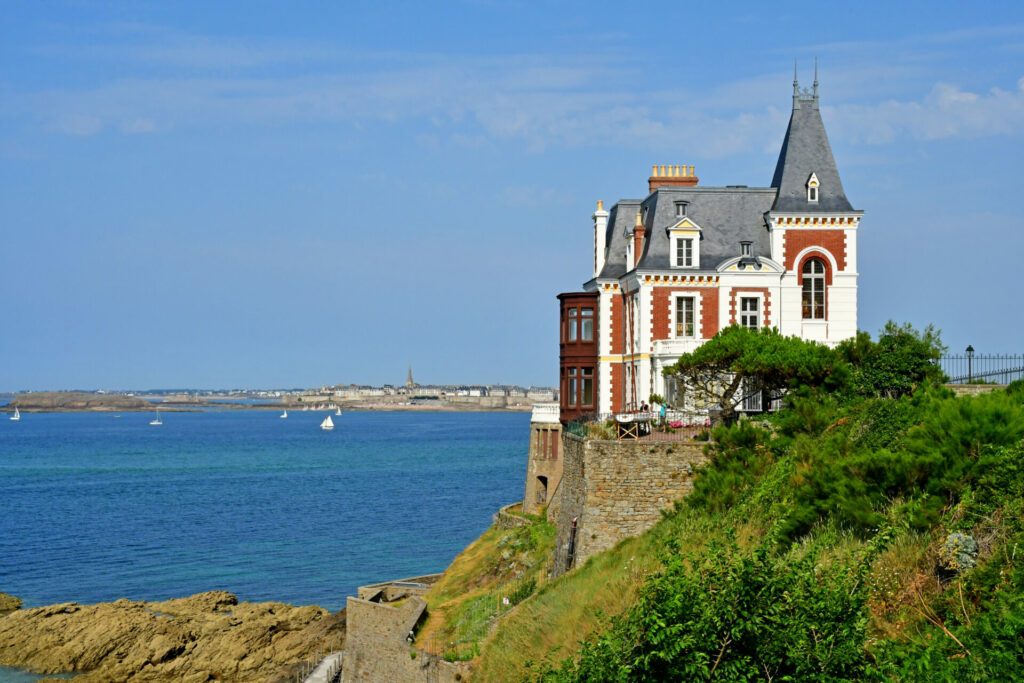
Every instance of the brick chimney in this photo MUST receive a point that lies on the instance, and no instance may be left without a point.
(671, 176)
(638, 239)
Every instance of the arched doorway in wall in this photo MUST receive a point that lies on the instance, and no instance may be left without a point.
(542, 490)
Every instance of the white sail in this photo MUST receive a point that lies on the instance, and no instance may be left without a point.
(17, 416)
(327, 424)
(157, 422)
(284, 415)
(338, 413)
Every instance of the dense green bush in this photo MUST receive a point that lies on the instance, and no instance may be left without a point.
(928, 465)
(727, 616)
(900, 361)
(739, 453)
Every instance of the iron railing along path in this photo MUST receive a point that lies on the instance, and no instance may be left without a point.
(973, 368)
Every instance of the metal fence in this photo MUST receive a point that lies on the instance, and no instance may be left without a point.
(676, 425)
(330, 673)
(981, 368)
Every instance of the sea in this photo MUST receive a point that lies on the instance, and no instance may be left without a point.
(100, 506)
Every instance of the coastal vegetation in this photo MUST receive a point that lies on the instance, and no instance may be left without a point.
(492, 575)
(871, 530)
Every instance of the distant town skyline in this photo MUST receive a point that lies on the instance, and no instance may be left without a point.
(197, 195)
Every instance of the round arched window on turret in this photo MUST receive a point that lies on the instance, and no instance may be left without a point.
(813, 289)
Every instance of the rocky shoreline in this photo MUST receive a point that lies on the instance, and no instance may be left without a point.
(206, 637)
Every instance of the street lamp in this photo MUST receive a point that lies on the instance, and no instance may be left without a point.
(970, 359)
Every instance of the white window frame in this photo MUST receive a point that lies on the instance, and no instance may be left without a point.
(740, 296)
(678, 243)
(694, 238)
(696, 314)
(813, 189)
(681, 209)
(823, 277)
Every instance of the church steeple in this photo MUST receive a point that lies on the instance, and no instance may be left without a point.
(806, 152)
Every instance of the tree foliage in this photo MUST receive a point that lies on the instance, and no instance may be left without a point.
(717, 371)
(901, 360)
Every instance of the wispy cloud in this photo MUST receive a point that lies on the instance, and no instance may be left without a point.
(539, 100)
(947, 111)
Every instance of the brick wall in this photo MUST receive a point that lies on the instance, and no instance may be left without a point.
(832, 241)
(617, 489)
(617, 328)
(661, 313)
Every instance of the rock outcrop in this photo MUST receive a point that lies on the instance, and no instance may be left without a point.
(206, 637)
(48, 401)
(8, 603)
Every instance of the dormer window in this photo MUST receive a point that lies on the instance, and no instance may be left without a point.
(680, 209)
(812, 188)
(684, 252)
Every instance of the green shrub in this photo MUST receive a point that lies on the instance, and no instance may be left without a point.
(929, 466)
(740, 453)
(723, 615)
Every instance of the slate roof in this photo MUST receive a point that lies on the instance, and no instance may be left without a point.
(726, 216)
(805, 150)
(621, 220)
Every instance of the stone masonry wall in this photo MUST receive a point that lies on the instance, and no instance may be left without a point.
(376, 648)
(617, 489)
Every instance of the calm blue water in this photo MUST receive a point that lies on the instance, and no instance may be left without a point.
(94, 507)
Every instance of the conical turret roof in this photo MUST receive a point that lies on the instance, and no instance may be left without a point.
(806, 152)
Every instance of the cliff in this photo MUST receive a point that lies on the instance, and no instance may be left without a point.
(205, 637)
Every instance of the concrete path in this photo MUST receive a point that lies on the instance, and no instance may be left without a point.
(327, 670)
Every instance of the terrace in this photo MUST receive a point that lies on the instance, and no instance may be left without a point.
(677, 425)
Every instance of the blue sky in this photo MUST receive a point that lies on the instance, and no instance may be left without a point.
(288, 194)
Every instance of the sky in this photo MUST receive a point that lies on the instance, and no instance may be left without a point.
(288, 194)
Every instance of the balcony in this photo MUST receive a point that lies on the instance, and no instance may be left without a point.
(545, 413)
(676, 347)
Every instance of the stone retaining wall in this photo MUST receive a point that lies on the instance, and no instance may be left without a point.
(503, 519)
(617, 489)
(974, 389)
(376, 648)
(396, 589)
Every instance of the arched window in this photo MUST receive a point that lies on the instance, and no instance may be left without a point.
(814, 289)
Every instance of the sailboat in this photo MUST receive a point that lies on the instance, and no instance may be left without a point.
(284, 415)
(338, 412)
(17, 416)
(328, 424)
(156, 422)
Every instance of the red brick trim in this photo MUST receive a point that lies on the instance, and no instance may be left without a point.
(829, 241)
(661, 313)
(766, 302)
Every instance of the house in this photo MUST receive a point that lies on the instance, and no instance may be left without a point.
(672, 269)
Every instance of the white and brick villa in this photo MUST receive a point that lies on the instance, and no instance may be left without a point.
(672, 269)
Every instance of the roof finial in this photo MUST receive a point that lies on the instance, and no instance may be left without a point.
(796, 88)
(815, 79)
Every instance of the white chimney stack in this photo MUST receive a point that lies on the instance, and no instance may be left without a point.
(600, 229)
